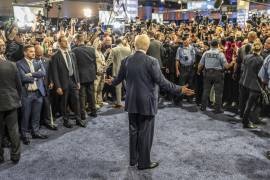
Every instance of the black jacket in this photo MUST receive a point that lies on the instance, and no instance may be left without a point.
(60, 74)
(251, 67)
(86, 61)
(10, 86)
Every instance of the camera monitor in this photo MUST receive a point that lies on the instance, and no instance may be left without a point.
(25, 15)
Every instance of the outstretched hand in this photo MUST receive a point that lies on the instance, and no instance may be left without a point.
(186, 91)
(109, 80)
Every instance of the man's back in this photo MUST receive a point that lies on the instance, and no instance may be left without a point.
(143, 76)
(251, 67)
(86, 62)
(10, 86)
(155, 50)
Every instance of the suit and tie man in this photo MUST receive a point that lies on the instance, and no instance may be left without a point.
(10, 100)
(46, 113)
(87, 67)
(66, 82)
(118, 54)
(143, 78)
(31, 74)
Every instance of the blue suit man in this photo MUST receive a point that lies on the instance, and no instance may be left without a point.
(143, 77)
(32, 74)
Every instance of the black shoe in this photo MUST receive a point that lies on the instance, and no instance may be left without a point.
(249, 126)
(203, 108)
(93, 114)
(268, 155)
(15, 160)
(39, 136)
(81, 123)
(67, 124)
(152, 166)
(51, 127)
(219, 111)
(25, 140)
(2, 160)
(132, 164)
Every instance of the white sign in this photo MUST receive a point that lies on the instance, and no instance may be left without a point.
(126, 9)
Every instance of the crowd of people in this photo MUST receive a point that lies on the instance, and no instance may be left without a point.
(44, 76)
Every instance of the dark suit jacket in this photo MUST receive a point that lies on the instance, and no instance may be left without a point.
(251, 67)
(155, 50)
(143, 76)
(39, 74)
(60, 74)
(10, 86)
(86, 61)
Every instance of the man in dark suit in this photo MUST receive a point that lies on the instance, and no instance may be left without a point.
(10, 100)
(249, 84)
(66, 82)
(155, 49)
(87, 67)
(32, 74)
(143, 76)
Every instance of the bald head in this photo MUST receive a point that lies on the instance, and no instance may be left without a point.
(142, 42)
(39, 51)
(252, 36)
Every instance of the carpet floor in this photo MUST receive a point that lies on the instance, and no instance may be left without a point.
(188, 144)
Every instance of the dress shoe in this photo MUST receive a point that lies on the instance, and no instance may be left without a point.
(67, 124)
(15, 160)
(219, 111)
(151, 166)
(39, 136)
(132, 164)
(268, 155)
(25, 140)
(1, 160)
(81, 123)
(93, 114)
(249, 126)
(203, 108)
(118, 106)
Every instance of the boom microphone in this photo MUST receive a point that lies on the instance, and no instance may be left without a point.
(218, 3)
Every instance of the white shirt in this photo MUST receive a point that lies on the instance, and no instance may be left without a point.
(64, 55)
(32, 86)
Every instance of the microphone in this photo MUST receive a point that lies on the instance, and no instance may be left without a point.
(218, 3)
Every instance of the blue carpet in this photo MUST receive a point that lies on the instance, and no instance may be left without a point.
(187, 143)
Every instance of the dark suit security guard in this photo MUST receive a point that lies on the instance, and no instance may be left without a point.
(87, 67)
(10, 100)
(143, 77)
(214, 62)
(67, 82)
(249, 83)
